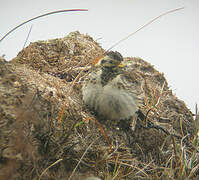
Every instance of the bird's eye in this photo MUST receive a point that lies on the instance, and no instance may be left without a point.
(111, 61)
(103, 61)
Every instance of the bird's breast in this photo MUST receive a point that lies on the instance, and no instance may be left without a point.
(109, 101)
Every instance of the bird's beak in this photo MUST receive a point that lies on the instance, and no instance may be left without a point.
(121, 65)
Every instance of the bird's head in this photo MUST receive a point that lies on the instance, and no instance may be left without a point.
(110, 59)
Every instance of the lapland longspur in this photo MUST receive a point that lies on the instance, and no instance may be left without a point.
(108, 90)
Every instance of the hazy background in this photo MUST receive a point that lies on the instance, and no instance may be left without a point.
(171, 43)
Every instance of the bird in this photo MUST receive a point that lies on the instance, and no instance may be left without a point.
(109, 91)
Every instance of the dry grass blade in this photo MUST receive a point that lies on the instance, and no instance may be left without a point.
(104, 134)
(196, 122)
(193, 171)
(46, 14)
(161, 92)
(27, 36)
(136, 167)
(66, 101)
(49, 167)
(142, 27)
(81, 159)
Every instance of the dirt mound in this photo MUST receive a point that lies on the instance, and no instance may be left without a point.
(48, 133)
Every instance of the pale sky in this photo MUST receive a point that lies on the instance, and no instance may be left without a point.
(171, 43)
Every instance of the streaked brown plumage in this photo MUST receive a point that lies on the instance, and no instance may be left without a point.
(108, 91)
